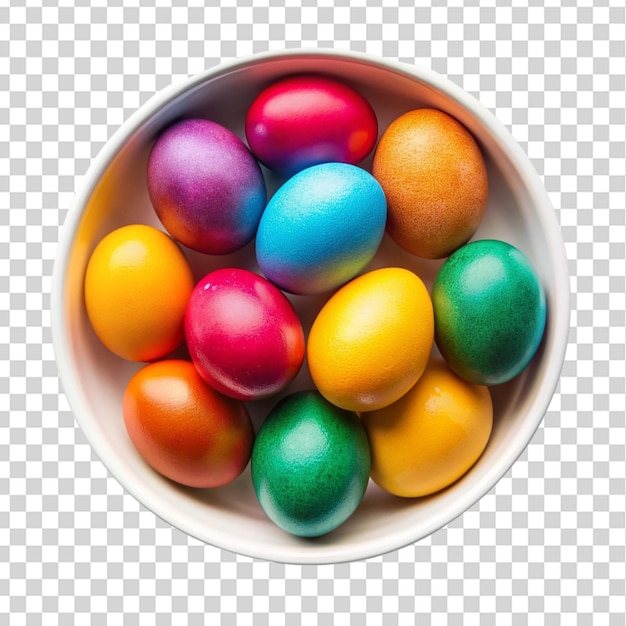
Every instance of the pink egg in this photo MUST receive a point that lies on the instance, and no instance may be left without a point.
(243, 334)
(306, 120)
(206, 187)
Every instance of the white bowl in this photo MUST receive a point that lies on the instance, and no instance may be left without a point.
(114, 193)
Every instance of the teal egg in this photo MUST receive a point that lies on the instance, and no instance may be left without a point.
(490, 312)
(310, 464)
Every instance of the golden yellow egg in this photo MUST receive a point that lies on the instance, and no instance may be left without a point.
(371, 341)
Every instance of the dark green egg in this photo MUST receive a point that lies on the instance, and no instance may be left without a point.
(490, 312)
(310, 464)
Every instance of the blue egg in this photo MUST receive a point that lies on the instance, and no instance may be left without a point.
(321, 228)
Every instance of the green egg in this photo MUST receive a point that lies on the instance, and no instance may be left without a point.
(310, 464)
(490, 312)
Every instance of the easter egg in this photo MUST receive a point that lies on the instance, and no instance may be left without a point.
(371, 341)
(490, 311)
(310, 464)
(430, 437)
(137, 284)
(321, 228)
(184, 429)
(435, 180)
(243, 335)
(305, 120)
(206, 187)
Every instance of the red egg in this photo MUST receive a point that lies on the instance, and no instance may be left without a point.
(306, 120)
(243, 334)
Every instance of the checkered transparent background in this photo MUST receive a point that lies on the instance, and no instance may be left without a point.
(545, 546)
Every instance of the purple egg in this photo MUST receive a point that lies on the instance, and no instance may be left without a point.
(206, 187)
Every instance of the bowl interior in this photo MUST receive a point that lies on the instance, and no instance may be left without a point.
(115, 193)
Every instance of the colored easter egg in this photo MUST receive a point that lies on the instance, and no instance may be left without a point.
(137, 284)
(321, 228)
(305, 120)
(206, 187)
(310, 464)
(435, 180)
(432, 436)
(371, 341)
(490, 311)
(183, 428)
(243, 334)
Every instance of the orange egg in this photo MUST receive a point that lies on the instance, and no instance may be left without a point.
(183, 428)
(435, 180)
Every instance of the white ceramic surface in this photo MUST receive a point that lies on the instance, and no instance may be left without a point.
(114, 193)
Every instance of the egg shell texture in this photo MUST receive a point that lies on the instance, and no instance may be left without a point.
(435, 179)
(243, 334)
(321, 228)
(305, 120)
(310, 464)
(206, 187)
(490, 311)
(371, 341)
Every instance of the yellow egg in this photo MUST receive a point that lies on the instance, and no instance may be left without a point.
(432, 436)
(137, 285)
(371, 341)
(435, 181)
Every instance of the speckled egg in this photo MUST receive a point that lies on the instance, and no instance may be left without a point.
(321, 228)
(305, 120)
(310, 464)
(243, 335)
(206, 187)
(490, 312)
(435, 180)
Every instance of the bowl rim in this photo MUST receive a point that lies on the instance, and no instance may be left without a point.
(328, 553)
